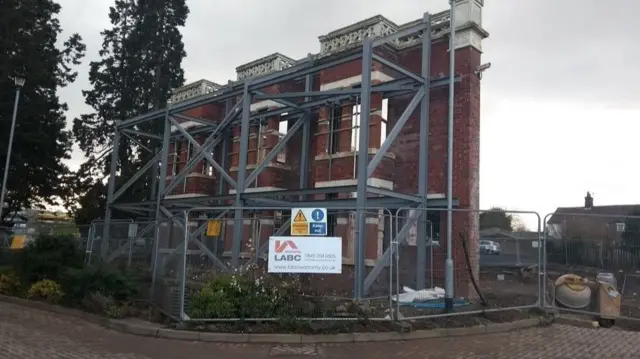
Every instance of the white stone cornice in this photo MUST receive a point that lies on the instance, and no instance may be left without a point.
(194, 89)
(265, 65)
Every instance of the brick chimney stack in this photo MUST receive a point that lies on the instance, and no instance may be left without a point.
(588, 201)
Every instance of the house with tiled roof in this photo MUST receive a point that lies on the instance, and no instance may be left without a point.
(604, 224)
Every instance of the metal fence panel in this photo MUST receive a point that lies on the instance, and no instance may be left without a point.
(167, 265)
(318, 296)
(494, 269)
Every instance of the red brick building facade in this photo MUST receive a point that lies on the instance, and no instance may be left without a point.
(334, 136)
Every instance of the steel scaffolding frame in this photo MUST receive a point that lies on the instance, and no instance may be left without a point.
(238, 97)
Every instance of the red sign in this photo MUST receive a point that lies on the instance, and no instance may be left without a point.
(281, 246)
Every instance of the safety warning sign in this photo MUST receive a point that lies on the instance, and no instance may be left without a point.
(309, 222)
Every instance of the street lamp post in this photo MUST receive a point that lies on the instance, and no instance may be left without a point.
(19, 82)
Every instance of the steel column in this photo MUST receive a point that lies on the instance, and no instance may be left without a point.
(238, 225)
(162, 184)
(448, 273)
(113, 168)
(423, 166)
(224, 154)
(306, 140)
(363, 162)
(154, 175)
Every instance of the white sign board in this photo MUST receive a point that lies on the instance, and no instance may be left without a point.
(133, 230)
(534, 244)
(308, 221)
(305, 255)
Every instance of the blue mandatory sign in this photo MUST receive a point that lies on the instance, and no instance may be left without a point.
(318, 229)
(317, 215)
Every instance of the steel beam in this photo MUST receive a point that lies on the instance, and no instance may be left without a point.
(363, 161)
(280, 101)
(386, 256)
(237, 89)
(342, 203)
(423, 157)
(393, 194)
(201, 121)
(274, 151)
(242, 172)
(113, 168)
(321, 102)
(285, 226)
(134, 178)
(251, 195)
(395, 131)
(398, 68)
(205, 153)
(136, 141)
(209, 143)
(139, 133)
(392, 85)
(135, 210)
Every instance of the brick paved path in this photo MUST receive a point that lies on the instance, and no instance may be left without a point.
(32, 334)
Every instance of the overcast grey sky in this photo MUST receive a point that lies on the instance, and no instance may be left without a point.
(560, 104)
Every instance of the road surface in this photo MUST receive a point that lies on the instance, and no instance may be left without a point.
(27, 333)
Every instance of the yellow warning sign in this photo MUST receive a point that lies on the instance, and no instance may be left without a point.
(299, 229)
(300, 218)
(19, 241)
(213, 228)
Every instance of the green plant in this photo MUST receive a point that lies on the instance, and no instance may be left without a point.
(48, 257)
(100, 304)
(237, 296)
(119, 285)
(9, 283)
(46, 290)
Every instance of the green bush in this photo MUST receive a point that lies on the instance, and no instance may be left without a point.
(100, 304)
(46, 290)
(235, 296)
(119, 285)
(9, 283)
(48, 257)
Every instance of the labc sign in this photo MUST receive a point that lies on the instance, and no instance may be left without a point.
(289, 247)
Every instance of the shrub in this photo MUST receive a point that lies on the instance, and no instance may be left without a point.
(101, 304)
(46, 290)
(48, 257)
(9, 283)
(118, 285)
(236, 296)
